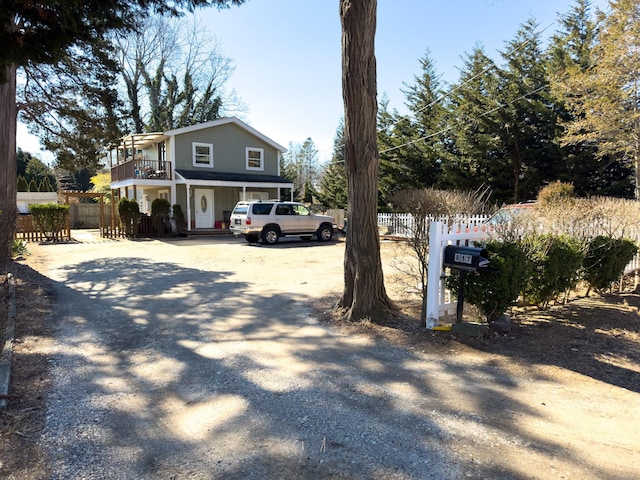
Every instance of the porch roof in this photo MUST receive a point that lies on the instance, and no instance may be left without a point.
(232, 177)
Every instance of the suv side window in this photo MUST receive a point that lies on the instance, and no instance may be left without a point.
(262, 208)
(301, 210)
(284, 210)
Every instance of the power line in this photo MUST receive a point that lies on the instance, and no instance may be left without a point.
(446, 129)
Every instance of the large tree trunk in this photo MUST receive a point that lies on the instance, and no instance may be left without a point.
(8, 165)
(364, 294)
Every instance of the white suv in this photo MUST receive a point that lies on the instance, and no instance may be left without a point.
(268, 220)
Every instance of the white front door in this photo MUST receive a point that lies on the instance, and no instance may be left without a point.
(203, 203)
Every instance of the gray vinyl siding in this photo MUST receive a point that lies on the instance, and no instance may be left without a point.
(229, 150)
(181, 198)
(226, 199)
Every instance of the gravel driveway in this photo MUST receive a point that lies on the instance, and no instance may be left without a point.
(202, 359)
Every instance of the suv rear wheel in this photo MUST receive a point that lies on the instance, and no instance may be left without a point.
(325, 232)
(270, 235)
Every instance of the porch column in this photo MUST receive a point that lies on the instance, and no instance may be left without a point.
(115, 194)
(188, 207)
(244, 192)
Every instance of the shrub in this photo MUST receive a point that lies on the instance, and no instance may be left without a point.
(555, 193)
(554, 266)
(429, 201)
(129, 215)
(19, 248)
(179, 218)
(50, 219)
(494, 292)
(605, 260)
(160, 210)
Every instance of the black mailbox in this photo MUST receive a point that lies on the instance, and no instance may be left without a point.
(467, 259)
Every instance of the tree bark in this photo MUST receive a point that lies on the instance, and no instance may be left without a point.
(8, 165)
(364, 293)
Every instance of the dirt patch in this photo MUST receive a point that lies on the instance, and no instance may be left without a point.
(596, 336)
(23, 420)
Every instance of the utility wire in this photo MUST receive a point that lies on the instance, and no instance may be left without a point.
(446, 129)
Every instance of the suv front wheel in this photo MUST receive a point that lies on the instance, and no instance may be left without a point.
(270, 235)
(325, 232)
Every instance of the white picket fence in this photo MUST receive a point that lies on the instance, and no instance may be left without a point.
(403, 224)
(439, 300)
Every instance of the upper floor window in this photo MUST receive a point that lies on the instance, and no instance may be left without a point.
(202, 155)
(255, 158)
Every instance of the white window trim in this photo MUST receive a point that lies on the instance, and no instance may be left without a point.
(251, 149)
(194, 146)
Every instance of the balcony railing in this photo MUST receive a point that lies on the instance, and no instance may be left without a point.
(142, 169)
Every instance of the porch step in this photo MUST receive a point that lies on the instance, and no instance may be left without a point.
(213, 231)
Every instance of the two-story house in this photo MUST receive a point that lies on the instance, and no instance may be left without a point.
(204, 168)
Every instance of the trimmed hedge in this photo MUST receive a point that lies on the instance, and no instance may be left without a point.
(494, 292)
(50, 219)
(554, 263)
(129, 215)
(540, 268)
(605, 260)
(160, 211)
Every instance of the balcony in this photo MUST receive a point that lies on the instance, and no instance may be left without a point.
(142, 169)
(139, 156)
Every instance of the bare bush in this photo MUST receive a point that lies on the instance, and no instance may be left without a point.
(429, 203)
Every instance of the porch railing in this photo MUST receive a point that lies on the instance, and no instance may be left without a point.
(143, 169)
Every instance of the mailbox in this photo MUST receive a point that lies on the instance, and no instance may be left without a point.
(466, 259)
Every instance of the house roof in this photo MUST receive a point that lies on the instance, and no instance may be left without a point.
(225, 121)
(231, 177)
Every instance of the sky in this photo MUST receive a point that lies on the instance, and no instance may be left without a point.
(286, 55)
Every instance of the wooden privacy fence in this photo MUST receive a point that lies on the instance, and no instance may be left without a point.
(113, 229)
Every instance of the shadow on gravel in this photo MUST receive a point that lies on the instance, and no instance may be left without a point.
(174, 372)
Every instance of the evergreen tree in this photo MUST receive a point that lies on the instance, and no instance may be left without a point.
(73, 108)
(604, 98)
(411, 149)
(23, 186)
(22, 159)
(174, 75)
(333, 182)
(33, 186)
(527, 121)
(571, 53)
(475, 146)
(364, 294)
(36, 170)
(45, 185)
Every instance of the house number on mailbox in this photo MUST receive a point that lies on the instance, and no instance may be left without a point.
(462, 258)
